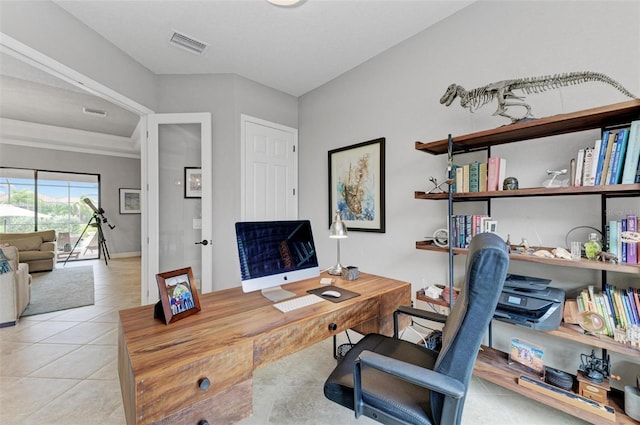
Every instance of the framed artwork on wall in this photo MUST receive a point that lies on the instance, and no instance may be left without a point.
(356, 185)
(178, 295)
(192, 182)
(129, 201)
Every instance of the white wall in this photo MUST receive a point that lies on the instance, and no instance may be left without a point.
(226, 96)
(396, 95)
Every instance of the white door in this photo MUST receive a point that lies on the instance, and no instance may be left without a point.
(178, 224)
(269, 170)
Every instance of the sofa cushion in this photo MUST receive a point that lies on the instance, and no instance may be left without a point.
(29, 243)
(26, 256)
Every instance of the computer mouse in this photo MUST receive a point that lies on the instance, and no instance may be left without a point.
(332, 294)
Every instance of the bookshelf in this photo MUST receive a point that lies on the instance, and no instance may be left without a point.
(491, 364)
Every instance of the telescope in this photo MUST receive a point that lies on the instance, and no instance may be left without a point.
(98, 212)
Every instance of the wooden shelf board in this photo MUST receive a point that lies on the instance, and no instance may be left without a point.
(422, 297)
(492, 365)
(575, 333)
(618, 113)
(578, 264)
(609, 190)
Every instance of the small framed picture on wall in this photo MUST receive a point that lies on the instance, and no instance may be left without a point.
(192, 182)
(129, 201)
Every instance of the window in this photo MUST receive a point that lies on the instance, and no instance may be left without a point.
(36, 200)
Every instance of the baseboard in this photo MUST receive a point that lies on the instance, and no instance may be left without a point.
(126, 254)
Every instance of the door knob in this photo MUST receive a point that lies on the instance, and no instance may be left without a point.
(203, 242)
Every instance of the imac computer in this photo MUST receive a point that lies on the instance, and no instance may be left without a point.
(273, 253)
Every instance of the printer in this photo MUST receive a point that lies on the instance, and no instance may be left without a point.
(529, 301)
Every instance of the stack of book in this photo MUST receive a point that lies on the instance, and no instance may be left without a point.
(465, 227)
(626, 251)
(619, 307)
(614, 159)
(480, 176)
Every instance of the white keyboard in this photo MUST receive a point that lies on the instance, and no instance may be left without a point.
(296, 303)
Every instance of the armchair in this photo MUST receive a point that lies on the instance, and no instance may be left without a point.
(398, 382)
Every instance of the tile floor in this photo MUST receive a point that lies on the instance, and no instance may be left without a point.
(61, 369)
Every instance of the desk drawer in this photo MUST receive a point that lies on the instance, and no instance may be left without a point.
(225, 408)
(281, 342)
(178, 387)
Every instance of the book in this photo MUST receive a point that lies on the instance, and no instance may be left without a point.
(587, 166)
(618, 157)
(482, 177)
(459, 179)
(493, 167)
(632, 247)
(632, 306)
(600, 309)
(465, 181)
(579, 167)
(601, 154)
(474, 177)
(633, 154)
(594, 163)
(607, 157)
(613, 238)
(502, 173)
(612, 305)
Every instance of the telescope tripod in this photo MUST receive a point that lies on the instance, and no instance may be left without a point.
(102, 242)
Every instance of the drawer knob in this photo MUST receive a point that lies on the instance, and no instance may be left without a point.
(204, 385)
(203, 422)
(333, 327)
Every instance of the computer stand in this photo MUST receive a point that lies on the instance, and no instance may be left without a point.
(277, 294)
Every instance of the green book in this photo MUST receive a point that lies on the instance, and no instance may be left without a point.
(474, 177)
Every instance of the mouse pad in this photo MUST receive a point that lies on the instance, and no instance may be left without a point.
(345, 295)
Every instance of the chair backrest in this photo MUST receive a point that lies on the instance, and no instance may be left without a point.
(486, 270)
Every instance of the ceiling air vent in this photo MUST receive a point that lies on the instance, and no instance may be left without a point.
(187, 43)
(94, 112)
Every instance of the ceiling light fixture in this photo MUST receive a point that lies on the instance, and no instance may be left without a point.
(188, 43)
(95, 112)
(285, 3)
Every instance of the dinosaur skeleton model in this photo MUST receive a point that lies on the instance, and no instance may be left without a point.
(502, 91)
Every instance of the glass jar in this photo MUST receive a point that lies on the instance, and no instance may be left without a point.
(592, 247)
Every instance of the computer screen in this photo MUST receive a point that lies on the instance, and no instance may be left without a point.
(273, 253)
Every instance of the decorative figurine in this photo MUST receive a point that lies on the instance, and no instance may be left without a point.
(438, 187)
(552, 182)
(502, 91)
(510, 183)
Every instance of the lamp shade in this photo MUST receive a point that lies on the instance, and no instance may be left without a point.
(338, 229)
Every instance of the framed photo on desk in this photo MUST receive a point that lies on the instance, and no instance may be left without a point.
(178, 295)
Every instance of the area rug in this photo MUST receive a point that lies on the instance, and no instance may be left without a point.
(60, 289)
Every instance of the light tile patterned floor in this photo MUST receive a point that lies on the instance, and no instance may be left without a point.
(61, 369)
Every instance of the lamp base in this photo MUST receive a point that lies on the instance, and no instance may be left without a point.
(336, 270)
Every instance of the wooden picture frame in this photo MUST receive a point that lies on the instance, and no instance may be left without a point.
(192, 182)
(178, 295)
(129, 201)
(356, 185)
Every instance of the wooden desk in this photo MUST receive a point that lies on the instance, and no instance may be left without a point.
(161, 367)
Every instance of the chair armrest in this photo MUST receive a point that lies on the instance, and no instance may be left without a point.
(415, 312)
(417, 375)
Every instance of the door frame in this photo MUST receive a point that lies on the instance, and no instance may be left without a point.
(23, 52)
(150, 181)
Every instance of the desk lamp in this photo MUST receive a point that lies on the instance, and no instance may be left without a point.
(337, 231)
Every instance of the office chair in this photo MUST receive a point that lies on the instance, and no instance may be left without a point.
(398, 382)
